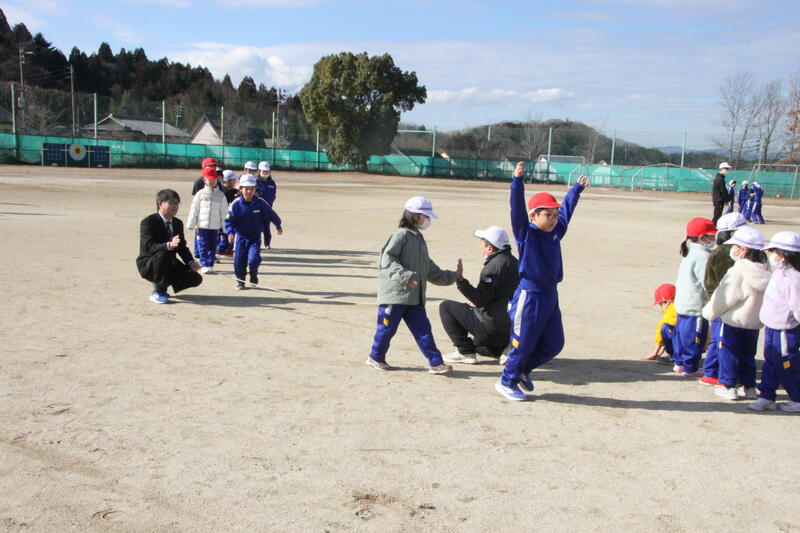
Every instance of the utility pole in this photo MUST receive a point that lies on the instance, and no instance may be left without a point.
(22, 54)
(72, 91)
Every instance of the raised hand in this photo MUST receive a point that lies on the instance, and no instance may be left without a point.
(584, 181)
(520, 170)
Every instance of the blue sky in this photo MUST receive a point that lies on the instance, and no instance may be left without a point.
(647, 68)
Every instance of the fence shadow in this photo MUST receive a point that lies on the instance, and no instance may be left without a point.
(246, 300)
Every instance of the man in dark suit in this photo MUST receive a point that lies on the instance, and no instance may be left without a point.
(719, 191)
(161, 241)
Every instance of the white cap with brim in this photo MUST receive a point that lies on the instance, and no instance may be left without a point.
(228, 175)
(421, 205)
(264, 165)
(731, 221)
(250, 166)
(724, 165)
(247, 180)
(785, 240)
(495, 235)
(747, 237)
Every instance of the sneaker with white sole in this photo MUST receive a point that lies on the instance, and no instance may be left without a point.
(762, 404)
(695, 374)
(207, 270)
(678, 369)
(729, 393)
(525, 382)
(380, 365)
(458, 357)
(789, 407)
(440, 369)
(159, 297)
(749, 393)
(511, 393)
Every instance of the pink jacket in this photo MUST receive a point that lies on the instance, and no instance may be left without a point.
(781, 309)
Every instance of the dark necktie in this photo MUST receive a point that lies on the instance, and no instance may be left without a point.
(169, 230)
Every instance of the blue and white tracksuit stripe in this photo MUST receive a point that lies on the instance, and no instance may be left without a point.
(781, 363)
(415, 317)
(691, 333)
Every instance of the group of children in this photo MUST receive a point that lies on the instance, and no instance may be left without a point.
(537, 334)
(231, 221)
(749, 199)
(730, 284)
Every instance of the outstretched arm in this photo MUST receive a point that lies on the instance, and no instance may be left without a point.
(519, 211)
(570, 203)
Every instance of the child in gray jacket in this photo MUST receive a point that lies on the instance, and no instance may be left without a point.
(403, 273)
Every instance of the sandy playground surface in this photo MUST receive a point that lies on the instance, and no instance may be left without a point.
(254, 410)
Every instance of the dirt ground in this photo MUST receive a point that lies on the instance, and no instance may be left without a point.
(254, 410)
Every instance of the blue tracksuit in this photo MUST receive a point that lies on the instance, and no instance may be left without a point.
(415, 317)
(205, 244)
(691, 333)
(732, 196)
(755, 212)
(737, 356)
(742, 198)
(711, 364)
(781, 363)
(246, 220)
(667, 336)
(537, 334)
(268, 190)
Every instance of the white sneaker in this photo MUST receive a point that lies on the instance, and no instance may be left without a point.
(380, 365)
(729, 393)
(440, 369)
(762, 404)
(749, 393)
(457, 357)
(207, 270)
(789, 407)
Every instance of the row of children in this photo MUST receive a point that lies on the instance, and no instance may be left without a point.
(740, 285)
(537, 333)
(225, 217)
(749, 200)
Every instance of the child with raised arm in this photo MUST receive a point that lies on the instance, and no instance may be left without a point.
(537, 334)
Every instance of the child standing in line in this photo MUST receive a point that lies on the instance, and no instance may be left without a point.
(758, 195)
(737, 302)
(244, 224)
(780, 313)
(537, 334)
(665, 330)
(731, 195)
(207, 214)
(403, 273)
(268, 190)
(691, 329)
(230, 191)
(743, 197)
(718, 264)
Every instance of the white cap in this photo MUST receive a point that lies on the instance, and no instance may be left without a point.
(420, 204)
(731, 221)
(250, 166)
(730, 183)
(228, 175)
(756, 184)
(785, 240)
(496, 236)
(247, 180)
(747, 237)
(745, 182)
(264, 165)
(724, 165)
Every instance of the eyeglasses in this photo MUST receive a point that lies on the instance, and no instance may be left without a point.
(173, 203)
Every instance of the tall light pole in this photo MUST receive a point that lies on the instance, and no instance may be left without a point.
(22, 54)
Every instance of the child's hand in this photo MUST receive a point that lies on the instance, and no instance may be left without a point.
(520, 170)
(584, 181)
(411, 284)
(459, 269)
(230, 238)
(280, 232)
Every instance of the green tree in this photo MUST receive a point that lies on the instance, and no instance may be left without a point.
(357, 100)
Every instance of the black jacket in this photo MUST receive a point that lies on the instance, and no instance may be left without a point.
(499, 279)
(719, 190)
(153, 239)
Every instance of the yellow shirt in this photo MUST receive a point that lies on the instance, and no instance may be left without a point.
(670, 317)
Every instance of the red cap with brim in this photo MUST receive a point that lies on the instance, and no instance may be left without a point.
(697, 227)
(210, 173)
(542, 200)
(208, 162)
(664, 293)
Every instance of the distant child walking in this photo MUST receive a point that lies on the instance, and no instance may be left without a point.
(691, 329)
(743, 197)
(737, 301)
(267, 189)
(229, 189)
(403, 272)
(207, 214)
(780, 313)
(244, 224)
(665, 330)
(731, 196)
(537, 334)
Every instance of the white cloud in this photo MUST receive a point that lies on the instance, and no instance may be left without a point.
(120, 31)
(474, 95)
(27, 16)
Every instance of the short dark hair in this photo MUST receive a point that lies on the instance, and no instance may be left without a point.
(167, 195)
(407, 220)
(495, 248)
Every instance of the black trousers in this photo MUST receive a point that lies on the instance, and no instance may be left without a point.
(460, 320)
(163, 269)
(718, 207)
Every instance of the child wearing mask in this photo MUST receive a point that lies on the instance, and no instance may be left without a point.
(403, 273)
(780, 314)
(691, 329)
(737, 301)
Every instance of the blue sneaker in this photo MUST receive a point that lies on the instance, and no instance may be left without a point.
(511, 393)
(525, 381)
(159, 297)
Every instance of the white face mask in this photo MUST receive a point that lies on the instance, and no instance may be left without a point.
(733, 256)
(425, 223)
(774, 261)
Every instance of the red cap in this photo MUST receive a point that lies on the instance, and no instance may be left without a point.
(542, 200)
(208, 162)
(209, 173)
(697, 227)
(664, 293)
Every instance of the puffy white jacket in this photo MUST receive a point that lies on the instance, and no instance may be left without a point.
(739, 296)
(209, 208)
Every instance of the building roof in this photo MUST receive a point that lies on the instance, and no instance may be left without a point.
(145, 126)
(213, 120)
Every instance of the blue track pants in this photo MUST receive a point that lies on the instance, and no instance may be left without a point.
(781, 363)
(415, 317)
(246, 253)
(711, 364)
(690, 340)
(205, 242)
(737, 356)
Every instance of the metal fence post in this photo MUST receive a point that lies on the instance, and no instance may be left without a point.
(549, 147)
(317, 149)
(683, 148)
(794, 183)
